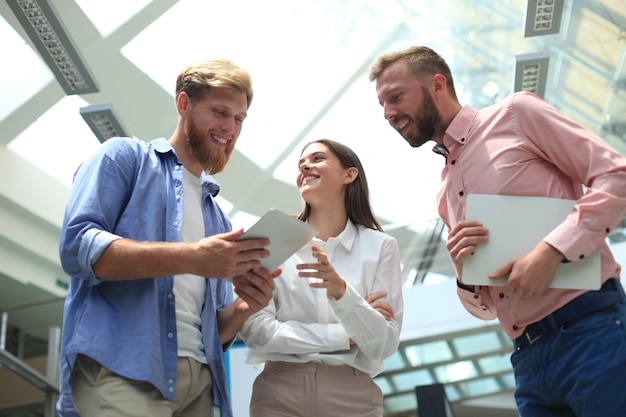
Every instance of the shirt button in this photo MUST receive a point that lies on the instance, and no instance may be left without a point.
(607, 230)
(176, 168)
(170, 296)
(170, 381)
(175, 223)
(171, 389)
(170, 335)
(178, 197)
(461, 193)
(515, 327)
(501, 295)
(476, 296)
(581, 256)
(453, 161)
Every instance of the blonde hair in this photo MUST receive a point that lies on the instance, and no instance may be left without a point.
(198, 80)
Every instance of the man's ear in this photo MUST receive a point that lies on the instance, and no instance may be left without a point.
(351, 174)
(440, 85)
(182, 103)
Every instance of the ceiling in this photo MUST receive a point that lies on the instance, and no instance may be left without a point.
(309, 60)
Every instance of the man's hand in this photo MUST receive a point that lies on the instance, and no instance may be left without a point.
(463, 240)
(255, 289)
(224, 256)
(530, 274)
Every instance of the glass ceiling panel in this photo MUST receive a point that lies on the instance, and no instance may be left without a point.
(395, 361)
(430, 352)
(109, 15)
(495, 364)
(508, 380)
(593, 29)
(400, 403)
(480, 387)
(476, 343)
(68, 145)
(452, 393)
(408, 380)
(25, 77)
(579, 78)
(457, 371)
(324, 42)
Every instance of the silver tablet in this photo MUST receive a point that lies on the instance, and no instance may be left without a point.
(286, 234)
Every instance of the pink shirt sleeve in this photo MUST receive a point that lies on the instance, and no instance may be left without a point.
(581, 155)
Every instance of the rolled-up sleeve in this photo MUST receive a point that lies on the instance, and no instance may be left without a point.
(97, 199)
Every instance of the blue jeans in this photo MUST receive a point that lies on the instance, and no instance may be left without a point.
(578, 370)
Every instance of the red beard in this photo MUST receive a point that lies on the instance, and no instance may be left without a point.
(213, 160)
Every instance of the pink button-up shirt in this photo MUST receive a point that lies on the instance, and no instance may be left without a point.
(523, 146)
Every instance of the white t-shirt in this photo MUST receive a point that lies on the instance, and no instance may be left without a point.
(189, 289)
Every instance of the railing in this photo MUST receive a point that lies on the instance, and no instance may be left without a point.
(47, 384)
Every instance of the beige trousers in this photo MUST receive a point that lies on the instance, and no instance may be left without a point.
(99, 392)
(314, 390)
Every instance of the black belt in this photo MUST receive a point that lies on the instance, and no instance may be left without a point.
(610, 293)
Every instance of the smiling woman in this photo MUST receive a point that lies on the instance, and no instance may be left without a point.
(337, 308)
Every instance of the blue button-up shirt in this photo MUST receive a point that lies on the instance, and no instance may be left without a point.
(133, 189)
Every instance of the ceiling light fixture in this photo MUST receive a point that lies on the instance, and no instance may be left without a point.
(531, 72)
(48, 34)
(543, 17)
(102, 121)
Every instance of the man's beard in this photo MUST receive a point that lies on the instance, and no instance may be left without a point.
(426, 121)
(213, 160)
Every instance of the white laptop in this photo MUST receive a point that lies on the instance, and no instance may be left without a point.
(286, 233)
(516, 225)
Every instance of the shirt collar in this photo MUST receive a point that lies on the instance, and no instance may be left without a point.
(458, 130)
(346, 238)
(161, 145)
(441, 149)
(209, 184)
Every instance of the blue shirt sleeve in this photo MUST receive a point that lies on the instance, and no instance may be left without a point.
(102, 186)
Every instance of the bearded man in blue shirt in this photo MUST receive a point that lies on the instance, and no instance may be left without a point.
(151, 256)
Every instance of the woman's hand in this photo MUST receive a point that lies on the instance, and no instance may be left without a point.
(326, 275)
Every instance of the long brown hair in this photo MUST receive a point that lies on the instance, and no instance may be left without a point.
(357, 200)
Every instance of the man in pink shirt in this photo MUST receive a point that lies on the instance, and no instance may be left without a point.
(570, 345)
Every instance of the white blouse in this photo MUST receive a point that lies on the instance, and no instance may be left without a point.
(301, 324)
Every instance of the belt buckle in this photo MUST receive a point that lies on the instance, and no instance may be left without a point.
(532, 339)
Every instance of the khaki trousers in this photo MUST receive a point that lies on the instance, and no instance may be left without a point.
(99, 392)
(314, 390)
